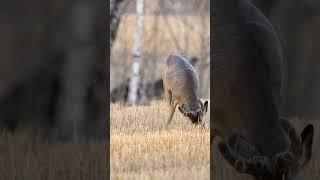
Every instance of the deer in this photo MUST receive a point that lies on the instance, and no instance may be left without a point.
(151, 89)
(247, 79)
(181, 88)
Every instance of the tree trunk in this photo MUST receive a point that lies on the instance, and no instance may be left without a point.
(72, 109)
(136, 55)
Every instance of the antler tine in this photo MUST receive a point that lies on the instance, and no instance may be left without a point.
(239, 144)
(256, 165)
(229, 155)
(295, 142)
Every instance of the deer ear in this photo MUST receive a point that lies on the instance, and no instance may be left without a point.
(306, 144)
(205, 110)
(204, 107)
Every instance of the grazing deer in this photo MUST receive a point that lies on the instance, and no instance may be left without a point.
(151, 90)
(247, 78)
(181, 87)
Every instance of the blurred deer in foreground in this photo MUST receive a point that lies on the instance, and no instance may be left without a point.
(181, 87)
(247, 79)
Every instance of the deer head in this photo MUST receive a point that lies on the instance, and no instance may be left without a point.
(194, 116)
(246, 158)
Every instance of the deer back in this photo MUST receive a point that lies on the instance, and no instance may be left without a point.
(181, 79)
(247, 75)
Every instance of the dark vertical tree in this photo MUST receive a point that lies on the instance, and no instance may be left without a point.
(53, 68)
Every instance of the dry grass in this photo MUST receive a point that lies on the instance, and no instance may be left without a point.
(22, 159)
(142, 149)
(223, 171)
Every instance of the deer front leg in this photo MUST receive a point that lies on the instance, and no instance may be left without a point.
(203, 126)
(172, 109)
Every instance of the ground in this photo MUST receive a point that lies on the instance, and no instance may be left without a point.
(24, 157)
(141, 148)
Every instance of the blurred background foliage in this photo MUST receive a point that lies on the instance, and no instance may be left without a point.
(53, 68)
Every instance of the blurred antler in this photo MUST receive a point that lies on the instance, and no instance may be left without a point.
(245, 157)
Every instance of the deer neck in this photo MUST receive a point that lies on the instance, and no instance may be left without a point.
(192, 102)
(270, 141)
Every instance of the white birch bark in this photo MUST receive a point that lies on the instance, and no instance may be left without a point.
(136, 55)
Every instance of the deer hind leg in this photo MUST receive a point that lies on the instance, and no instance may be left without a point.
(172, 109)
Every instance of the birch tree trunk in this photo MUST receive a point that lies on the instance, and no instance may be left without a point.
(136, 56)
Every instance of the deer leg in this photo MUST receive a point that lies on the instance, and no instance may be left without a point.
(168, 96)
(173, 107)
(203, 125)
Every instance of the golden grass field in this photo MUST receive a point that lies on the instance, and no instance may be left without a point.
(140, 147)
(23, 158)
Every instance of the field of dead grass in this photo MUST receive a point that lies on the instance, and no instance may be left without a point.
(140, 147)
